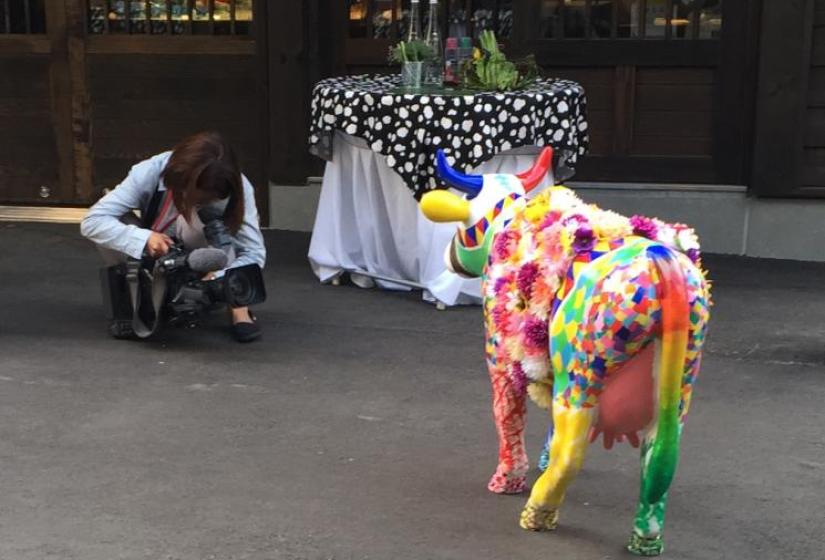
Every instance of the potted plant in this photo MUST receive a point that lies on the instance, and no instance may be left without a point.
(411, 55)
(490, 69)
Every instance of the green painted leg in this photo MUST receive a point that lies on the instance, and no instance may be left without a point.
(658, 467)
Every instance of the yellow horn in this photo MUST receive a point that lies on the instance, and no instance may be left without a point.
(444, 206)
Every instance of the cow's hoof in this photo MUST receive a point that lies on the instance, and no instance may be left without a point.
(507, 483)
(538, 519)
(645, 546)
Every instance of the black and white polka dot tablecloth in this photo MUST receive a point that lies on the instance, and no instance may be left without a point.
(409, 128)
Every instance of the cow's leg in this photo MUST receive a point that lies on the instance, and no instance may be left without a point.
(571, 426)
(544, 457)
(646, 539)
(509, 408)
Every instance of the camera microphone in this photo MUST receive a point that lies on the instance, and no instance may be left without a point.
(207, 260)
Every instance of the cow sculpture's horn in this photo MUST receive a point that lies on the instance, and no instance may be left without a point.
(469, 184)
(533, 176)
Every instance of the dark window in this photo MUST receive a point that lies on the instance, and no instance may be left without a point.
(630, 19)
(209, 17)
(22, 16)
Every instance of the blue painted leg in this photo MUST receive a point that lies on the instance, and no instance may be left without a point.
(544, 458)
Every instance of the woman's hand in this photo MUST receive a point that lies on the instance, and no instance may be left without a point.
(158, 244)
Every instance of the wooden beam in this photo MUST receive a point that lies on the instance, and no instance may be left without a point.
(736, 90)
(7, 14)
(178, 44)
(781, 103)
(261, 16)
(624, 110)
(14, 44)
(614, 19)
(642, 19)
(694, 20)
(642, 52)
(61, 100)
(80, 102)
(27, 14)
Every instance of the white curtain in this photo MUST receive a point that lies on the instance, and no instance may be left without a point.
(368, 220)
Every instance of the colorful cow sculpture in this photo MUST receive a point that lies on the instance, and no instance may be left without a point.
(599, 317)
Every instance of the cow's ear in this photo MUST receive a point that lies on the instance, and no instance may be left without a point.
(444, 206)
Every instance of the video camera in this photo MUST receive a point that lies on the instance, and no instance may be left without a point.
(139, 295)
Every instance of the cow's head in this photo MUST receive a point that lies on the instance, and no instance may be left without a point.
(489, 202)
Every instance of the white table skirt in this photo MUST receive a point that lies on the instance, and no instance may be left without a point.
(368, 220)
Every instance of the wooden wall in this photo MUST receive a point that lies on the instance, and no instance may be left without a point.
(812, 172)
(659, 109)
(142, 104)
(78, 109)
(28, 154)
(789, 144)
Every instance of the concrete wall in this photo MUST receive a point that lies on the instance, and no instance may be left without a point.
(726, 219)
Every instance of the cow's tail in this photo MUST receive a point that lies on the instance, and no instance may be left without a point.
(670, 366)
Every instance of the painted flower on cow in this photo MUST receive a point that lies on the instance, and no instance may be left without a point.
(505, 244)
(535, 334)
(583, 239)
(644, 227)
(526, 278)
(686, 239)
(518, 377)
(608, 225)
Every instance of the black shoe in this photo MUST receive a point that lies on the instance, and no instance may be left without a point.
(246, 332)
(121, 329)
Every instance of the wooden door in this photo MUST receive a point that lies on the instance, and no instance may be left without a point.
(110, 83)
(669, 83)
(666, 82)
(34, 90)
(165, 69)
(789, 158)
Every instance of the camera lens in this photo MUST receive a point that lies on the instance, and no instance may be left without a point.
(243, 288)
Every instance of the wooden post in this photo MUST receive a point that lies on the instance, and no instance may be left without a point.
(642, 18)
(106, 24)
(7, 14)
(624, 110)
(69, 99)
(260, 28)
(27, 13)
(127, 16)
(782, 96)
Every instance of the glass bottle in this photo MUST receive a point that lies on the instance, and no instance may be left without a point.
(414, 31)
(433, 71)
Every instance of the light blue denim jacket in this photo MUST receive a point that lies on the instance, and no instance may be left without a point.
(102, 224)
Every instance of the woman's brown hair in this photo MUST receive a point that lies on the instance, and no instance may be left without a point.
(204, 168)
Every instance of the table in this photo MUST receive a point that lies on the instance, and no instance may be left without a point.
(380, 146)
